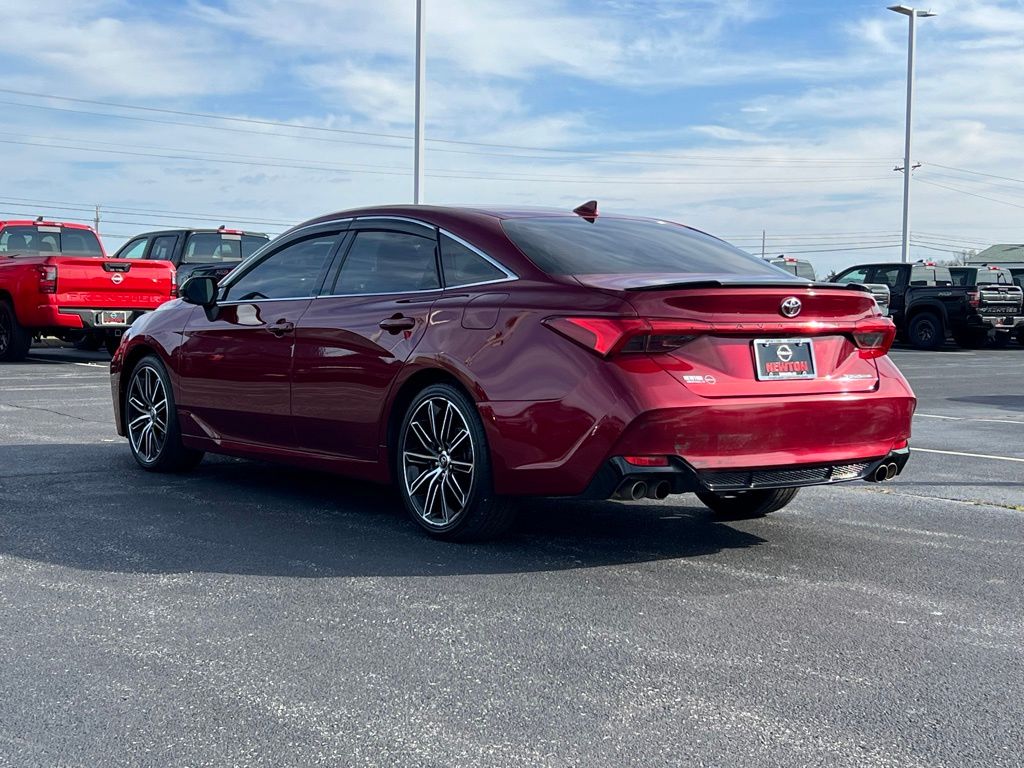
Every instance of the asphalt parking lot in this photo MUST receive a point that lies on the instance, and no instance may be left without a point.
(253, 615)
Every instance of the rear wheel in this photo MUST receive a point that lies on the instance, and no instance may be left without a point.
(15, 340)
(1020, 337)
(444, 468)
(741, 505)
(111, 342)
(89, 342)
(1000, 339)
(925, 331)
(151, 420)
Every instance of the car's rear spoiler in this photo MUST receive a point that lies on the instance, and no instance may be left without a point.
(696, 284)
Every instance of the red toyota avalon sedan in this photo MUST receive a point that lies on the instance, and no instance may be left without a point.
(471, 356)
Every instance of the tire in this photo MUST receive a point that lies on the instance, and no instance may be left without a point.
(443, 468)
(971, 339)
(15, 340)
(1000, 340)
(744, 505)
(148, 385)
(926, 332)
(1020, 337)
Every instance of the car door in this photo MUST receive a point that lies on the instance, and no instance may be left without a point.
(354, 338)
(133, 249)
(892, 275)
(236, 359)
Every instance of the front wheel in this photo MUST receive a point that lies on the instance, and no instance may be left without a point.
(926, 332)
(151, 420)
(444, 468)
(742, 505)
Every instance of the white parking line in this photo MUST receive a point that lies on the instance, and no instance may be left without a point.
(970, 455)
(967, 418)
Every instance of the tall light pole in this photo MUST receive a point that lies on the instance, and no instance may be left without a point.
(912, 14)
(421, 75)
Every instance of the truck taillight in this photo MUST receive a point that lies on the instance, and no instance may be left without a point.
(47, 279)
(974, 298)
(174, 283)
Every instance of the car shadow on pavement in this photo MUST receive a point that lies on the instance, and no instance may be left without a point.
(90, 507)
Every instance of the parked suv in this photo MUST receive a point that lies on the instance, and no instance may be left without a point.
(995, 296)
(924, 303)
(195, 251)
(56, 280)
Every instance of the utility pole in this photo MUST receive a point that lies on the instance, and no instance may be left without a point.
(96, 221)
(912, 15)
(762, 243)
(421, 74)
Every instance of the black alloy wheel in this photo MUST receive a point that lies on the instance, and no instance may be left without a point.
(151, 420)
(926, 332)
(444, 469)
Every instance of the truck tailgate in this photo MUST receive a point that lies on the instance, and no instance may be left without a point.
(113, 283)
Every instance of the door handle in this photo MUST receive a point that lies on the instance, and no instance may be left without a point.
(397, 324)
(281, 327)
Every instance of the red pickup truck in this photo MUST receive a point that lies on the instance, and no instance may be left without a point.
(56, 280)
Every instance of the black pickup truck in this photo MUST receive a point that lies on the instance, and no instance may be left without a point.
(195, 251)
(924, 303)
(997, 296)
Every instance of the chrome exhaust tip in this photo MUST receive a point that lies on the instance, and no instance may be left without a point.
(659, 490)
(881, 474)
(631, 490)
(891, 471)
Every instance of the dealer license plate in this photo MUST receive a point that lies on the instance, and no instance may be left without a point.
(114, 317)
(777, 359)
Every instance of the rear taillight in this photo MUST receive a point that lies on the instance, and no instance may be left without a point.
(974, 298)
(611, 335)
(874, 337)
(174, 283)
(47, 279)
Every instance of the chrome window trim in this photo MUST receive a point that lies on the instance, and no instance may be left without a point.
(404, 219)
(237, 302)
(384, 293)
(509, 274)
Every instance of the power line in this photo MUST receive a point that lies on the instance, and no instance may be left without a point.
(405, 137)
(972, 194)
(975, 173)
(450, 175)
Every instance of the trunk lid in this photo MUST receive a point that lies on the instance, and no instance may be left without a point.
(98, 283)
(720, 362)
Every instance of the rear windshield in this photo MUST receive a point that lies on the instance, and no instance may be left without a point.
(64, 240)
(575, 246)
(216, 248)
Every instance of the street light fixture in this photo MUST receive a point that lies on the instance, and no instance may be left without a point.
(913, 15)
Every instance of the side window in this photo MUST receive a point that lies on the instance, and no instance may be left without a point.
(291, 273)
(388, 262)
(888, 275)
(134, 250)
(163, 247)
(854, 276)
(463, 266)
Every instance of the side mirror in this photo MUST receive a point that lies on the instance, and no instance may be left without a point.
(200, 290)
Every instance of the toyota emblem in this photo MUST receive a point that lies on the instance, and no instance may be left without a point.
(791, 307)
(117, 278)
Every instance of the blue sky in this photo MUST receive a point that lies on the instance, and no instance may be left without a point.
(734, 117)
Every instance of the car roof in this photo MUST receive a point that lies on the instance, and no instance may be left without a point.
(199, 230)
(33, 223)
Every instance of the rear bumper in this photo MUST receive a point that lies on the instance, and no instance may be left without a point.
(51, 316)
(681, 477)
(560, 448)
(1004, 323)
